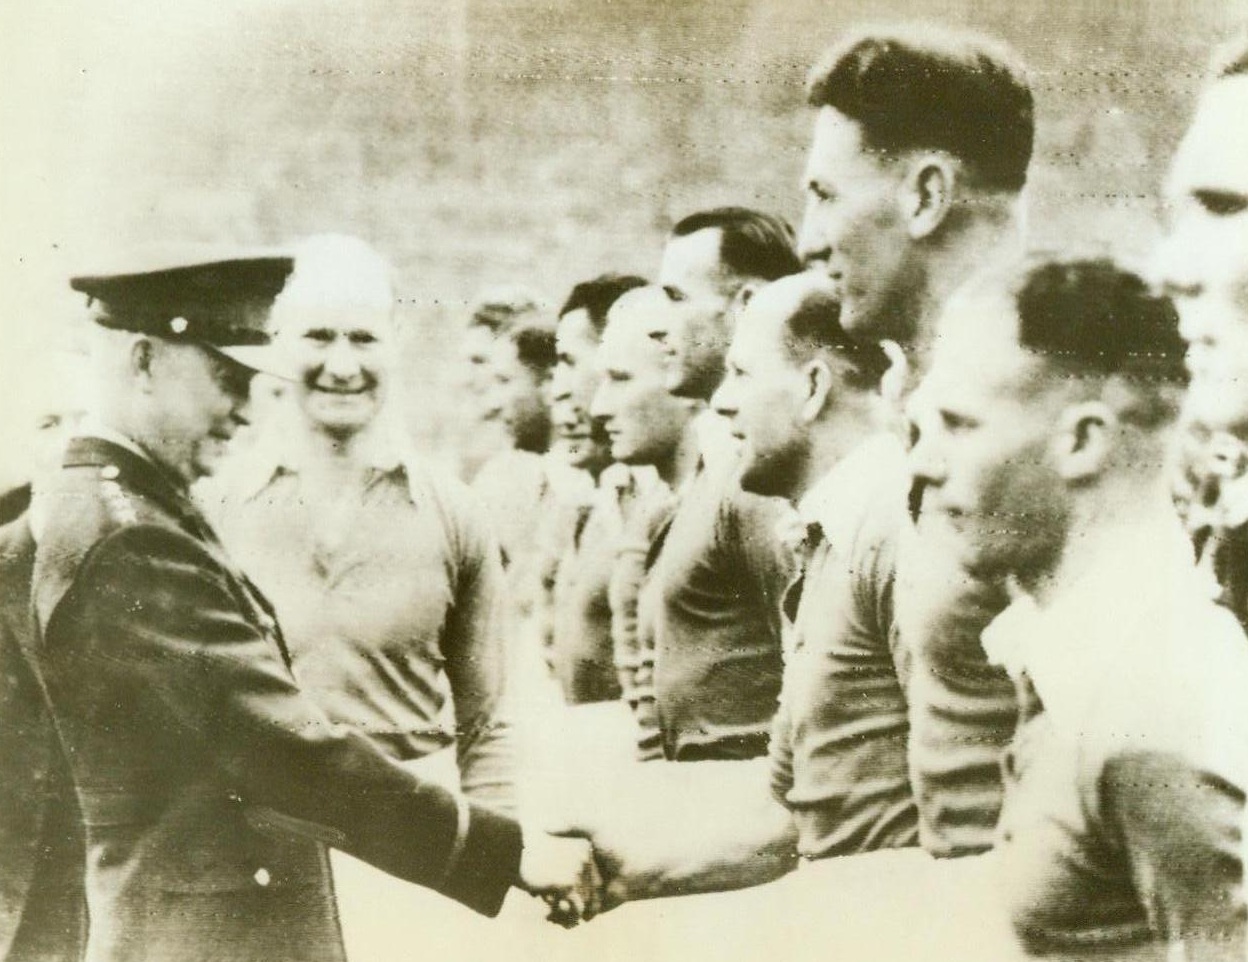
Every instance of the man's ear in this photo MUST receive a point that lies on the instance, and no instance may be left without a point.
(927, 195)
(142, 361)
(1084, 440)
(818, 380)
(745, 293)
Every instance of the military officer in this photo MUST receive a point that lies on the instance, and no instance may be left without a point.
(206, 779)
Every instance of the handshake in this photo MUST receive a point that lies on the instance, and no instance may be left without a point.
(575, 880)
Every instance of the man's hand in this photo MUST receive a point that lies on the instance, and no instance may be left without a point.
(562, 871)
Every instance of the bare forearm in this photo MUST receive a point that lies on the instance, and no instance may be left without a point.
(737, 850)
(697, 828)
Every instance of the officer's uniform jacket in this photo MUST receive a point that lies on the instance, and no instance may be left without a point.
(42, 915)
(201, 770)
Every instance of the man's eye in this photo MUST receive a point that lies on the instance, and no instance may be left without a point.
(956, 422)
(914, 435)
(1222, 203)
(362, 337)
(674, 294)
(320, 335)
(819, 192)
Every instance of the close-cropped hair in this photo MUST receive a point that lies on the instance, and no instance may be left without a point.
(752, 244)
(1231, 58)
(815, 328)
(501, 308)
(596, 296)
(930, 88)
(1096, 319)
(535, 347)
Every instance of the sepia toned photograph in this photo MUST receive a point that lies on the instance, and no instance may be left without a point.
(594, 480)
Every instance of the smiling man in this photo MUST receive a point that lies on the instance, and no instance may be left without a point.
(209, 783)
(914, 179)
(383, 575)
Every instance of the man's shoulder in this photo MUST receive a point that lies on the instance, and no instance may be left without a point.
(83, 509)
(1181, 694)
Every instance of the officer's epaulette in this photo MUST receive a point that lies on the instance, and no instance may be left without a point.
(118, 503)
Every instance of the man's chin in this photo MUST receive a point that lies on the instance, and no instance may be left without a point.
(340, 413)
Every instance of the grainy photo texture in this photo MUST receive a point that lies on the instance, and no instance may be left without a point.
(621, 480)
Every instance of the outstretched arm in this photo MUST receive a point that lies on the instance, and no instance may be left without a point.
(678, 829)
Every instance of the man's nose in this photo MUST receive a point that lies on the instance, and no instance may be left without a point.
(560, 385)
(812, 244)
(243, 403)
(600, 407)
(723, 401)
(340, 360)
(1175, 265)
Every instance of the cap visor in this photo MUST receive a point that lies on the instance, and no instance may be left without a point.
(264, 359)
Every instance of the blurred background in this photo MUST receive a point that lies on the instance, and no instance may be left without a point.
(484, 141)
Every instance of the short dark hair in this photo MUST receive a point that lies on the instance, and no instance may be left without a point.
(535, 348)
(1093, 318)
(596, 296)
(752, 244)
(913, 89)
(815, 327)
(1231, 58)
(501, 308)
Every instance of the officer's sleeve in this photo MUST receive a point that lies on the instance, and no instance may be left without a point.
(477, 662)
(151, 604)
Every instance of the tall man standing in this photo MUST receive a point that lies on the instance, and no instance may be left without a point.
(193, 751)
(719, 567)
(920, 153)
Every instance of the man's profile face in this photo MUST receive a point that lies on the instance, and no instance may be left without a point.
(579, 437)
(701, 291)
(853, 230)
(200, 399)
(642, 419)
(1203, 262)
(762, 396)
(982, 422)
(344, 355)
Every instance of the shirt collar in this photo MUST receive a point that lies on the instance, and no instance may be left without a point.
(95, 428)
(384, 448)
(847, 491)
(1067, 644)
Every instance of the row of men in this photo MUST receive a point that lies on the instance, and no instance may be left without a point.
(995, 642)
